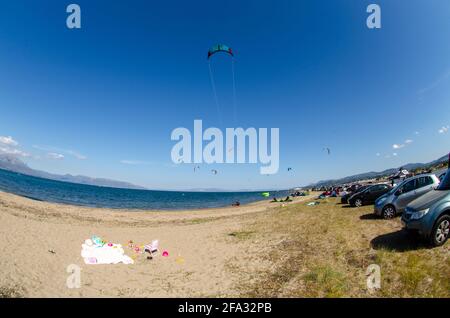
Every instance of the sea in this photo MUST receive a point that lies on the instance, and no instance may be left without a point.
(105, 197)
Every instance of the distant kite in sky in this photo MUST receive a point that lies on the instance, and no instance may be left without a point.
(289, 169)
(328, 150)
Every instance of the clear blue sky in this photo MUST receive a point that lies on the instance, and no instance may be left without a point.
(110, 94)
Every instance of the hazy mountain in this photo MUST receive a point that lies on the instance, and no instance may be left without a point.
(230, 190)
(373, 174)
(12, 163)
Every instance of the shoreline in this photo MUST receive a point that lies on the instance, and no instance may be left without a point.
(30, 206)
(128, 209)
(40, 239)
(75, 194)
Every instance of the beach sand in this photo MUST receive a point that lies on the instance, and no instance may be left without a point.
(40, 240)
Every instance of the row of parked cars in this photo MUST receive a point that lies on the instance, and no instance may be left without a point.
(423, 201)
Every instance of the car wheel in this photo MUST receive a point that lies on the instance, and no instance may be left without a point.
(358, 202)
(388, 212)
(440, 232)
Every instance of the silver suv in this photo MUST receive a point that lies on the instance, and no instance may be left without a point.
(395, 201)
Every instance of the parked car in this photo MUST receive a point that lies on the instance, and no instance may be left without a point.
(395, 201)
(429, 215)
(344, 198)
(369, 195)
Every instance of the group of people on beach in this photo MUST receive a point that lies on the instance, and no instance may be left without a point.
(288, 199)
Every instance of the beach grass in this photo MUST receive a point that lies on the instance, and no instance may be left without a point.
(324, 251)
(12, 291)
(241, 235)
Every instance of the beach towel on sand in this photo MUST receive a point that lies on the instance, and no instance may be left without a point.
(104, 254)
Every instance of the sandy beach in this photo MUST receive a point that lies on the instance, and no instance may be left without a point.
(257, 250)
(40, 240)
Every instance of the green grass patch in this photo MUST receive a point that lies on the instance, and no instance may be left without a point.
(12, 291)
(242, 235)
(325, 251)
(324, 281)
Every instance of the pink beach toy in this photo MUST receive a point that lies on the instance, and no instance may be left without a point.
(165, 253)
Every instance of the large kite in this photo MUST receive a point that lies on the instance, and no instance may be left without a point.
(222, 48)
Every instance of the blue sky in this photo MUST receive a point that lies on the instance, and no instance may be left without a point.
(102, 101)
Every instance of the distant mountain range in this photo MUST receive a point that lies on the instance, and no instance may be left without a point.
(374, 175)
(12, 163)
(232, 190)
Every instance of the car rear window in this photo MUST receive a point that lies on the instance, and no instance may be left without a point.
(378, 188)
(424, 181)
(362, 188)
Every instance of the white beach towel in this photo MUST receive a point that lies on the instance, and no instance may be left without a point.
(95, 254)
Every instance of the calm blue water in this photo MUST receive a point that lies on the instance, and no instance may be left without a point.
(85, 195)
